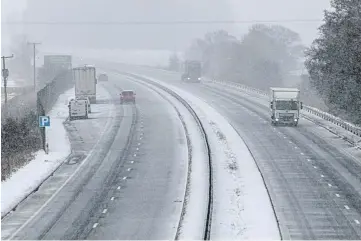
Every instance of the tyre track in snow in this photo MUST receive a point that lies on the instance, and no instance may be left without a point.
(305, 205)
(56, 225)
(209, 206)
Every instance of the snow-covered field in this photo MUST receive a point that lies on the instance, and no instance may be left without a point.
(241, 205)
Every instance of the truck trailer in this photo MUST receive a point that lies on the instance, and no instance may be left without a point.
(285, 106)
(85, 82)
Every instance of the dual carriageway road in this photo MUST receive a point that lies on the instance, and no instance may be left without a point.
(133, 183)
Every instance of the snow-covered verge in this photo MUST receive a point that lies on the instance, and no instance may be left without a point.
(27, 178)
(241, 205)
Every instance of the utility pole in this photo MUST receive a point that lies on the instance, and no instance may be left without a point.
(34, 51)
(5, 74)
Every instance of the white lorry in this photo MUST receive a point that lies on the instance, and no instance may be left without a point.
(85, 82)
(285, 106)
(78, 109)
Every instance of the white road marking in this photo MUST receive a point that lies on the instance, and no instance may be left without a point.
(132, 162)
(118, 187)
(139, 144)
(137, 148)
(337, 195)
(290, 142)
(135, 155)
(105, 210)
(140, 138)
(124, 178)
(302, 153)
(112, 199)
(111, 113)
(284, 137)
(329, 184)
(315, 167)
(95, 225)
(129, 169)
(308, 160)
(296, 147)
(356, 221)
(347, 207)
(322, 175)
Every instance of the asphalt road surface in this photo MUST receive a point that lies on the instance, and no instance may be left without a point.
(125, 179)
(314, 184)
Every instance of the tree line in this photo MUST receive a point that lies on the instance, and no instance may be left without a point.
(272, 55)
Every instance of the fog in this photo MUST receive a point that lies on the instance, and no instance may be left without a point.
(61, 23)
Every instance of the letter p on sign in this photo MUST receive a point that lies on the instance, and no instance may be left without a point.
(44, 121)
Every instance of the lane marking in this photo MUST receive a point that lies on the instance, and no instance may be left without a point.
(132, 162)
(329, 184)
(118, 187)
(322, 175)
(124, 178)
(105, 210)
(290, 142)
(135, 155)
(139, 144)
(112, 199)
(347, 207)
(337, 195)
(111, 113)
(296, 147)
(137, 148)
(95, 225)
(129, 169)
(356, 221)
(140, 138)
(302, 153)
(315, 167)
(308, 160)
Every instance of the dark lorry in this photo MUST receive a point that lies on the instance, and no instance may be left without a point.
(192, 71)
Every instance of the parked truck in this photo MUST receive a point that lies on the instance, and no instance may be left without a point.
(85, 82)
(191, 71)
(285, 106)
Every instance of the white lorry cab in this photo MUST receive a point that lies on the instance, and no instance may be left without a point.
(285, 106)
(78, 109)
(85, 82)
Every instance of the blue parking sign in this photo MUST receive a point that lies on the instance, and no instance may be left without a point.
(44, 121)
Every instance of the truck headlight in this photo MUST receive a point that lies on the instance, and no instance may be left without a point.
(296, 119)
(276, 119)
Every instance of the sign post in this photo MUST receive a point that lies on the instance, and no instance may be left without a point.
(44, 121)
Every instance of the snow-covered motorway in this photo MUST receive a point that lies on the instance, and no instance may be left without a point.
(125, 179)
(313, 176)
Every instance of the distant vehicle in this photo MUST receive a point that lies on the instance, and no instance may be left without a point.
(78, 109)
(192, 71)
(103, 77)
(285, 106)
(85, 82)
(87, 100)
(127, 96)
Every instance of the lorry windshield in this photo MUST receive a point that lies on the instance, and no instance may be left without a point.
(286, 105)
(194, 69)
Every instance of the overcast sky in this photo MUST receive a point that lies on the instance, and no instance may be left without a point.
(155, 36)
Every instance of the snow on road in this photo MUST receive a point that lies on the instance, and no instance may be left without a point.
(241, 205)
(26, 179)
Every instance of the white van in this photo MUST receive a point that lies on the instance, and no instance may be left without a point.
(88, 101)
(78, 109)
